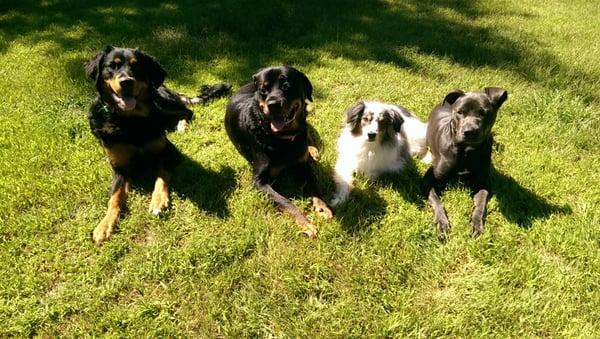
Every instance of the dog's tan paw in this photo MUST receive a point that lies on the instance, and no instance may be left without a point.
(310, 230)
(159, 203)
(314, 153)
(321, 208)
(103, 231)
(182, 125)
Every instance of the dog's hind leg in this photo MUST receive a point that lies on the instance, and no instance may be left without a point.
(313, 151)
(116, 203)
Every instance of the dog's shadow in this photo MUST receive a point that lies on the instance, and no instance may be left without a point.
(407, 182)
(361, 211)
(365, 207)
(520, 205)
(209, 190)
(205, 188)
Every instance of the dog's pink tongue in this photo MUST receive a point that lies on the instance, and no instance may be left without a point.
(277, 125)
(128, 104)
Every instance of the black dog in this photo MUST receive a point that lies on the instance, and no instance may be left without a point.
(130, 117)
(266, 121)
(460, 140)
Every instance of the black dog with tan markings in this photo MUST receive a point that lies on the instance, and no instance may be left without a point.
(266, 121)
(130, 117)
(460, 140)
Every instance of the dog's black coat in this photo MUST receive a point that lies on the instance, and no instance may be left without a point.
(130, 117)
(266, 121)
(460, 140)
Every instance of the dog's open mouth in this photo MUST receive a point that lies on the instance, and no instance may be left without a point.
(278, 123)
(124, 103)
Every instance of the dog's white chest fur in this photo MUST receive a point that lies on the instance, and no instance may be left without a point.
(372, 158)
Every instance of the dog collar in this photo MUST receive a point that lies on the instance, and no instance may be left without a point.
(288, 137)
(106, 108)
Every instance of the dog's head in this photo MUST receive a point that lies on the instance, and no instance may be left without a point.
(474, 113)
(124, 75)
(374, 121)
(283, 93)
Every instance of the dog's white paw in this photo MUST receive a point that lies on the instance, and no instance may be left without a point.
(427, 158)
(182, 125)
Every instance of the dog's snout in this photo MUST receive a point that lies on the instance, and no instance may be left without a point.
(371, 136)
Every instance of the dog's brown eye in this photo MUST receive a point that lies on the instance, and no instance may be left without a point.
(285, 86)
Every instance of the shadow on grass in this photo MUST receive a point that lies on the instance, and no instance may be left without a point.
(207, 189)
(362, 209)
(520, 205)
(408, 183)
(250, 35)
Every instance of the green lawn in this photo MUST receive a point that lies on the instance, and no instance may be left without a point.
(223, 262)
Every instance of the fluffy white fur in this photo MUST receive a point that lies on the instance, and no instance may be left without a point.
(373, 158)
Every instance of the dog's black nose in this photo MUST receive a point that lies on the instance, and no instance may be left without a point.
(371, 136)
(470, 134)
(273, 103)
(126, 83)
(275, 106)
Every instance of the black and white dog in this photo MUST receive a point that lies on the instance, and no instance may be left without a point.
(377, 138)
(460, 140)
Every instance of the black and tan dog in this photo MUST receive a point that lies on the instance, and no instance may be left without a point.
(460, 140)
(266, 121)
(130, 117)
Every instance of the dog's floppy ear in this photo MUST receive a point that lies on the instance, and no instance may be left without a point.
(353, 116)
(453, 96)
(306, 86)
(92, 66)
(256, 76)
(397, 120)
(497, 95)
(155, 72)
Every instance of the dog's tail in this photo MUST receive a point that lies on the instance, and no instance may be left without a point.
(416, 132)
(208, 93)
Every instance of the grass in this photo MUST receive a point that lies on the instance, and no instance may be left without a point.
(223, 262)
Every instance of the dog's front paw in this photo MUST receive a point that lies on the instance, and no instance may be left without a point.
(314, 153)
(310, 230)
(477, 227)
(103, 231)
(443, 227)
(339, 198)
(321, 208)
(159, 203)
(427, 158)
(182, 125)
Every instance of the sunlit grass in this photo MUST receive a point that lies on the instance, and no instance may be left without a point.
(223, 261)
